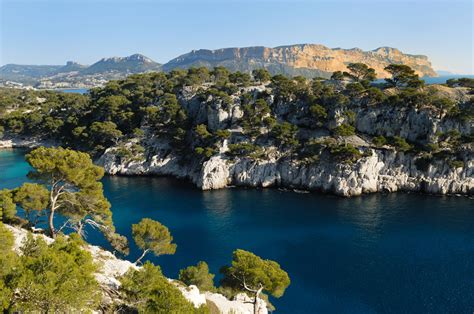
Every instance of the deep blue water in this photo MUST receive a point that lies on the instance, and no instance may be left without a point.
(395, 253)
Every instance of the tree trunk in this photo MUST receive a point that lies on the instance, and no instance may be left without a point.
(53, 197)
(52, 231)
(141, 257)
(79, 229)
(255, 301)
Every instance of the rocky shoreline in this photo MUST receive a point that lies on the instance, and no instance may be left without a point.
(382, 171)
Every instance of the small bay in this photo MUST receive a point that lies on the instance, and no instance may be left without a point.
(381, 253)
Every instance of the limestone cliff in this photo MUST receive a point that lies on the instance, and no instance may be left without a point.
(308, 59)
(379, 169)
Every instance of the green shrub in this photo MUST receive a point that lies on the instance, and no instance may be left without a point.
(8, 268)
(344, 130)
(455, 164)
(400, 144)
(423, 163)
(54, 278)
(205, 151)
(261, 75)
(199, 276)
(379, 141)
(202, 132)
(134, 152)
(462, 82)
(345, 153)
(245, 150)
(223, 134)
(285, 134)
(148, 291)
(7, 207)
(319, 114)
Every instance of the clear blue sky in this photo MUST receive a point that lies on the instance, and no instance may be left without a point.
(52, 32)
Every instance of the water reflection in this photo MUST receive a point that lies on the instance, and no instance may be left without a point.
(218, 202)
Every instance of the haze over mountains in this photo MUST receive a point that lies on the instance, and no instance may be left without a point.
(309, 60)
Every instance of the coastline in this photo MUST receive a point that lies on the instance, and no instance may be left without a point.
(380, 172)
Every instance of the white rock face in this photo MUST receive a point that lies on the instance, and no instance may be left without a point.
(164, 162)
(214, 174)
(382, 171)
(24, 143)
(241, 304)
(193, 295)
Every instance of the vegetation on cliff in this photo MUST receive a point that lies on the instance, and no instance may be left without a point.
(197, 110)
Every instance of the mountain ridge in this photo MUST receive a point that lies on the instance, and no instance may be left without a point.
(300, 59)
(309, 60)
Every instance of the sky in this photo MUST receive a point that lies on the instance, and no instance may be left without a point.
(53, 31)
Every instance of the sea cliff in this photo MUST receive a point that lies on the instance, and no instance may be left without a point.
(381, 168)
(345, 135)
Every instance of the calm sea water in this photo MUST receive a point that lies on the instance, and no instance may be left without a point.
(74, 90)
(443, 78)
(396, 253)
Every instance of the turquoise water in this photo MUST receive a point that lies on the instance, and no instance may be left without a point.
(395, 253)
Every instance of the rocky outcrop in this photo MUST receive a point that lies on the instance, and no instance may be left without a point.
(16, 142)
(383, 170)
(307, 59)
(380, 169)
(111, 268)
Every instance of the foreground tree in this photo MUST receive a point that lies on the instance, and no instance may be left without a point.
(54, 278)
(33, 198)
(74, 190)
(199, 276)
(253, 275)
(148, 291)
(65, 172)
(8, 264)
(150, 235)
(7, 207)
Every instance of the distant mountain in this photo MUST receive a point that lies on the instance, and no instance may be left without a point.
(26, 73)
(307, 59)
(136, 63)
(71, 66)
(74, 73)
